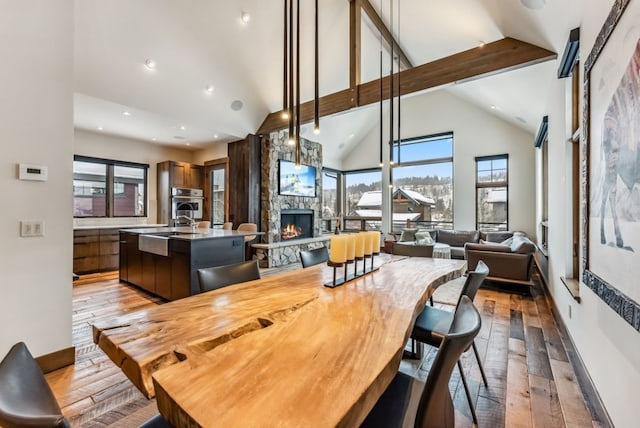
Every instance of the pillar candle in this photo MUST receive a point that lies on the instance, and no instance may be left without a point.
(351, 246)
(359, 248)
(376, 241)
(338, 249)
(367, 242)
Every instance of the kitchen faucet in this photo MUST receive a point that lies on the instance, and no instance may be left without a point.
(192, 221)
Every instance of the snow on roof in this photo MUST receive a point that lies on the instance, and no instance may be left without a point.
(496, 196)
(396, 216)
(374, 198)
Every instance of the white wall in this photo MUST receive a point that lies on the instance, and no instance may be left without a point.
(476, 133)
(609, 347)
(111, 147)
(36, 106)
(215, 151)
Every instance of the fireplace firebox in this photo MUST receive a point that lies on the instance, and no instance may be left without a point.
(296, 224)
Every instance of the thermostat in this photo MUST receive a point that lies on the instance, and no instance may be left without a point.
(32, 172)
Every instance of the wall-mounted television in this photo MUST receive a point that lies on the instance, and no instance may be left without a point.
(296, 181)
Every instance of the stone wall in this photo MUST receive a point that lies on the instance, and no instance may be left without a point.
(273, 149)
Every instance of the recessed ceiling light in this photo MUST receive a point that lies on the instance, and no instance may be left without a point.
(188, 144)
(150, 64)
(245, 17)
(481, 43)
(100, 128)
(215, 135)
(126, 113)
(533, 4)
(209, 89)
(493, 107)
(182, 127)
(154, 139)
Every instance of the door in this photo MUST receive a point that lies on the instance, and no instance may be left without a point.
(217, 191)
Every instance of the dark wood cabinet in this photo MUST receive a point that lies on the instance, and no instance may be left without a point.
(245, 180)
(95, 250)
(175, 174)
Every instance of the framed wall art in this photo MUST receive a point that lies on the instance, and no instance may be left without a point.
(611, 156)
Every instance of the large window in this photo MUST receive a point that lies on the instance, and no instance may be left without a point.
(330, 207)
(492, 193)
(423, 182)
(108, 188)
(363, 199)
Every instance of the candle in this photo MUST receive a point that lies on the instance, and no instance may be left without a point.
(338, 249)
(376, 242)
(359, 248)
(367, 243)
(351, 247)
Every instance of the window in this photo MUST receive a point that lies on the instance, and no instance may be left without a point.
(108, 188)
(363, 198)
(330, 207)
(492, 193)
(423, 182)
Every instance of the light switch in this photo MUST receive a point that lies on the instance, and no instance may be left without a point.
(30, 229)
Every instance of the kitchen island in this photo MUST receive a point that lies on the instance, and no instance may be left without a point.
(165, 260)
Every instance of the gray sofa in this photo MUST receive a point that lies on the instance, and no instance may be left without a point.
(509, 255)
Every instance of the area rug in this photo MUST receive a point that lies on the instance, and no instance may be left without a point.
(449, 292)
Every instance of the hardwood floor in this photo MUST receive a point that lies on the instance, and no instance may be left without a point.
(531, 380)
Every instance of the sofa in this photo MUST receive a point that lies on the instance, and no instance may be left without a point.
(510, 260)
(509, 255)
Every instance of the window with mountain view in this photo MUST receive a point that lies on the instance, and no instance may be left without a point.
(363, 198)
(492, 193)
(423, 182)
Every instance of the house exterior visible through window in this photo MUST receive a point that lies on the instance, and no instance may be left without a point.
(423, 182)
(109, 188)
(363, 199)
(492, 193)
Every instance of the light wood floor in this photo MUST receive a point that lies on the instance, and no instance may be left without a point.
(531, 380)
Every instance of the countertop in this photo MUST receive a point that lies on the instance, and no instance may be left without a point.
(189, 234)
(117, 226)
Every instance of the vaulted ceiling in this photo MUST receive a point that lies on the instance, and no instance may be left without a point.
(200, 43)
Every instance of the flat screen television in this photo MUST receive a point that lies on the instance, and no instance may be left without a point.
(300, 181)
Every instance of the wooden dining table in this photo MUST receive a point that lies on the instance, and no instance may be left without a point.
(280, 351)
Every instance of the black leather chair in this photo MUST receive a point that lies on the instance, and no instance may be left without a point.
(26, 400)
(156, 422)
(314, 257)
(217, 277)
(435, 407)
(432, 324)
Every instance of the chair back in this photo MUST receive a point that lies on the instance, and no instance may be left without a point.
(248, 227)
(221, 276)
(26, 400)
(227, 226)
(314, 257)
(474, 281)
(436, 408)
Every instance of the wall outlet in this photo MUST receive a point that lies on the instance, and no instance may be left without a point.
(29, 229)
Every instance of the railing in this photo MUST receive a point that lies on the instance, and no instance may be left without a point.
(488, 226)
(354, 223)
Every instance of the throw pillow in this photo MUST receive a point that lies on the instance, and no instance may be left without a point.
(424, 238)
(507, 241)
(408, 235)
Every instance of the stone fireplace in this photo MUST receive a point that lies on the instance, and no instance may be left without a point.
(296, 224)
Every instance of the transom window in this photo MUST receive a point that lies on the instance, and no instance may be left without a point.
(492, 193)
(109, 188)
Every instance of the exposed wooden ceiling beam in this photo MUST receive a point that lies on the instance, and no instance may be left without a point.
(386, 34)
(500, 56)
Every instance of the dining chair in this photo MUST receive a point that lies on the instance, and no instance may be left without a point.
(433, 323)
(247, 227)
(313, 257)
(26, 400)
(227, 226)
(221, 276)
(434, 405)
(156, 421)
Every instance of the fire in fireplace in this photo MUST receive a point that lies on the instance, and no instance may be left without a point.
(296, 224)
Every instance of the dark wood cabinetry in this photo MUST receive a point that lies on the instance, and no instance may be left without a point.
(95, 250)
(175, 174)
(175, 276)
(245, 180)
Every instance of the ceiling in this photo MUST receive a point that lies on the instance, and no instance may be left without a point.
(200, 43)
